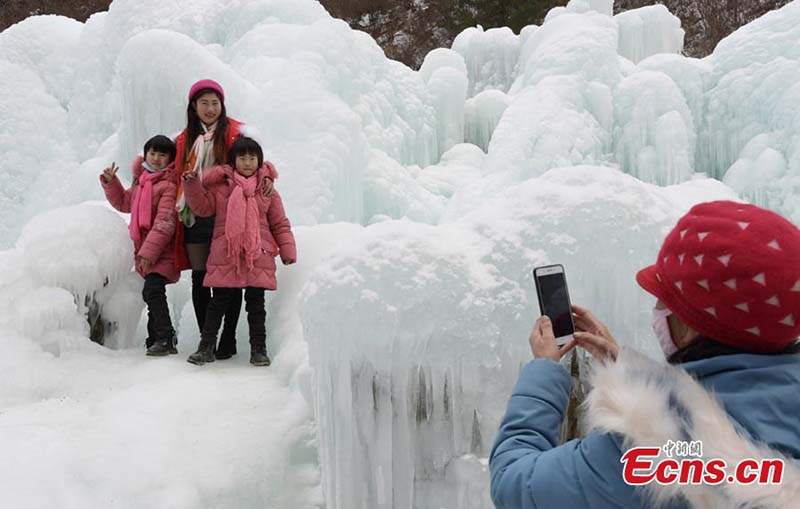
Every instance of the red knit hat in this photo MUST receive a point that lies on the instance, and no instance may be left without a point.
(731, 272)
(207, 85)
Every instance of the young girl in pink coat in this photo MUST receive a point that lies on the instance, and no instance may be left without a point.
(250, 230)
(151, 202)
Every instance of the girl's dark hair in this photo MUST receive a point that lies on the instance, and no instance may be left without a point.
(704, 348)
(194, 127)
(160, 143)
(245, 145)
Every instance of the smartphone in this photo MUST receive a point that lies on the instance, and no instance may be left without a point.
(551, 288)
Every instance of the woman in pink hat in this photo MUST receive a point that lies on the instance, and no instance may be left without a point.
(727, 317)
(204, 143)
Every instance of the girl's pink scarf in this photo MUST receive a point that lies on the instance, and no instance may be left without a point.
(241, 226)
(142, 207)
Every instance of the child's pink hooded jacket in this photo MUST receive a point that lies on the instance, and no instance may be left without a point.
(210, 198)
(157, 243)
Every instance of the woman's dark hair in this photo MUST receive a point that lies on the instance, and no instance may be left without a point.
(160, 143)
(194, 127)
(703, 347)
(245, 145)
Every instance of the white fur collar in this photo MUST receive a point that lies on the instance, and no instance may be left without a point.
(637, 398)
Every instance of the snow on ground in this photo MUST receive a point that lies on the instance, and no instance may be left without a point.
(116, 429)
(421, 200)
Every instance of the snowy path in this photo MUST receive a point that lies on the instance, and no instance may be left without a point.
(131, 431)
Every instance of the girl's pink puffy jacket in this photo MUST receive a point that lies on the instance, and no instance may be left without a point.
(210, 198)
(157, 244)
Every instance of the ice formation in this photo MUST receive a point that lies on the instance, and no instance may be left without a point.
(421, 200)
(648, 31)
(407, 387)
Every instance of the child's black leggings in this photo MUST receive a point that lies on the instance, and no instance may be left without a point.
(256, 314)
(159, 324)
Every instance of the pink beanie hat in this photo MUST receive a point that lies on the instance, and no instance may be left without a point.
(206, 85)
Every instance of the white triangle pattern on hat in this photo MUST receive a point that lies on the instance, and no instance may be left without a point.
(760, 279)
(683, 233)
(658, 277)
(711, 311)
(679, 285)
(731, 283)
(774, 245)
(702, 236)
(743, 307)
(743, 225)
(681, 257)
(704, 284)
(789, 320)
(774, 301)
(754, 330)
(796, 286)
(725, 259)
(699, 260)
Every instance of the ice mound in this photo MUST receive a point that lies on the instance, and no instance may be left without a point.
(69, 278)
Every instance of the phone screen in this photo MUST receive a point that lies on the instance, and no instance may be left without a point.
(555, 303)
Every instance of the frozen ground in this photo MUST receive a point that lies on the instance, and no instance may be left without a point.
(421, 200)
(118, 430)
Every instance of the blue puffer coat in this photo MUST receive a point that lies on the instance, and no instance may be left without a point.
(637, 402)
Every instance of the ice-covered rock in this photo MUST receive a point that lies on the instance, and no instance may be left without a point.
(45, 45)
(445, 74)
(491, 57)
(459, 166)
(605, 7)
(556, 123)
(482, 113)
(752, 102)
(602, 6)
(648, 31)
(690, 75)
(393, 191)
(35, 146)
(654, 131)
(580, 45)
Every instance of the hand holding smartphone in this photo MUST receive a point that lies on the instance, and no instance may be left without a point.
(551, 288)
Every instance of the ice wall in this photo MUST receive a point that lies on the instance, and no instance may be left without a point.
(410, 389)
(753, 128)
(322, 95)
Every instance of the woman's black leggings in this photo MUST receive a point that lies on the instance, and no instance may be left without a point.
(201, 297)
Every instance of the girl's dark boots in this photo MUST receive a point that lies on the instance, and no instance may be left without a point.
(227, 339)
(163, 347)
(204, 353)
(259, 357)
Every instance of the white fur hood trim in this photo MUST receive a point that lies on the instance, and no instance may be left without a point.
(637, 397)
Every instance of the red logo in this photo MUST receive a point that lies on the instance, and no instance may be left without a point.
(643, 465)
